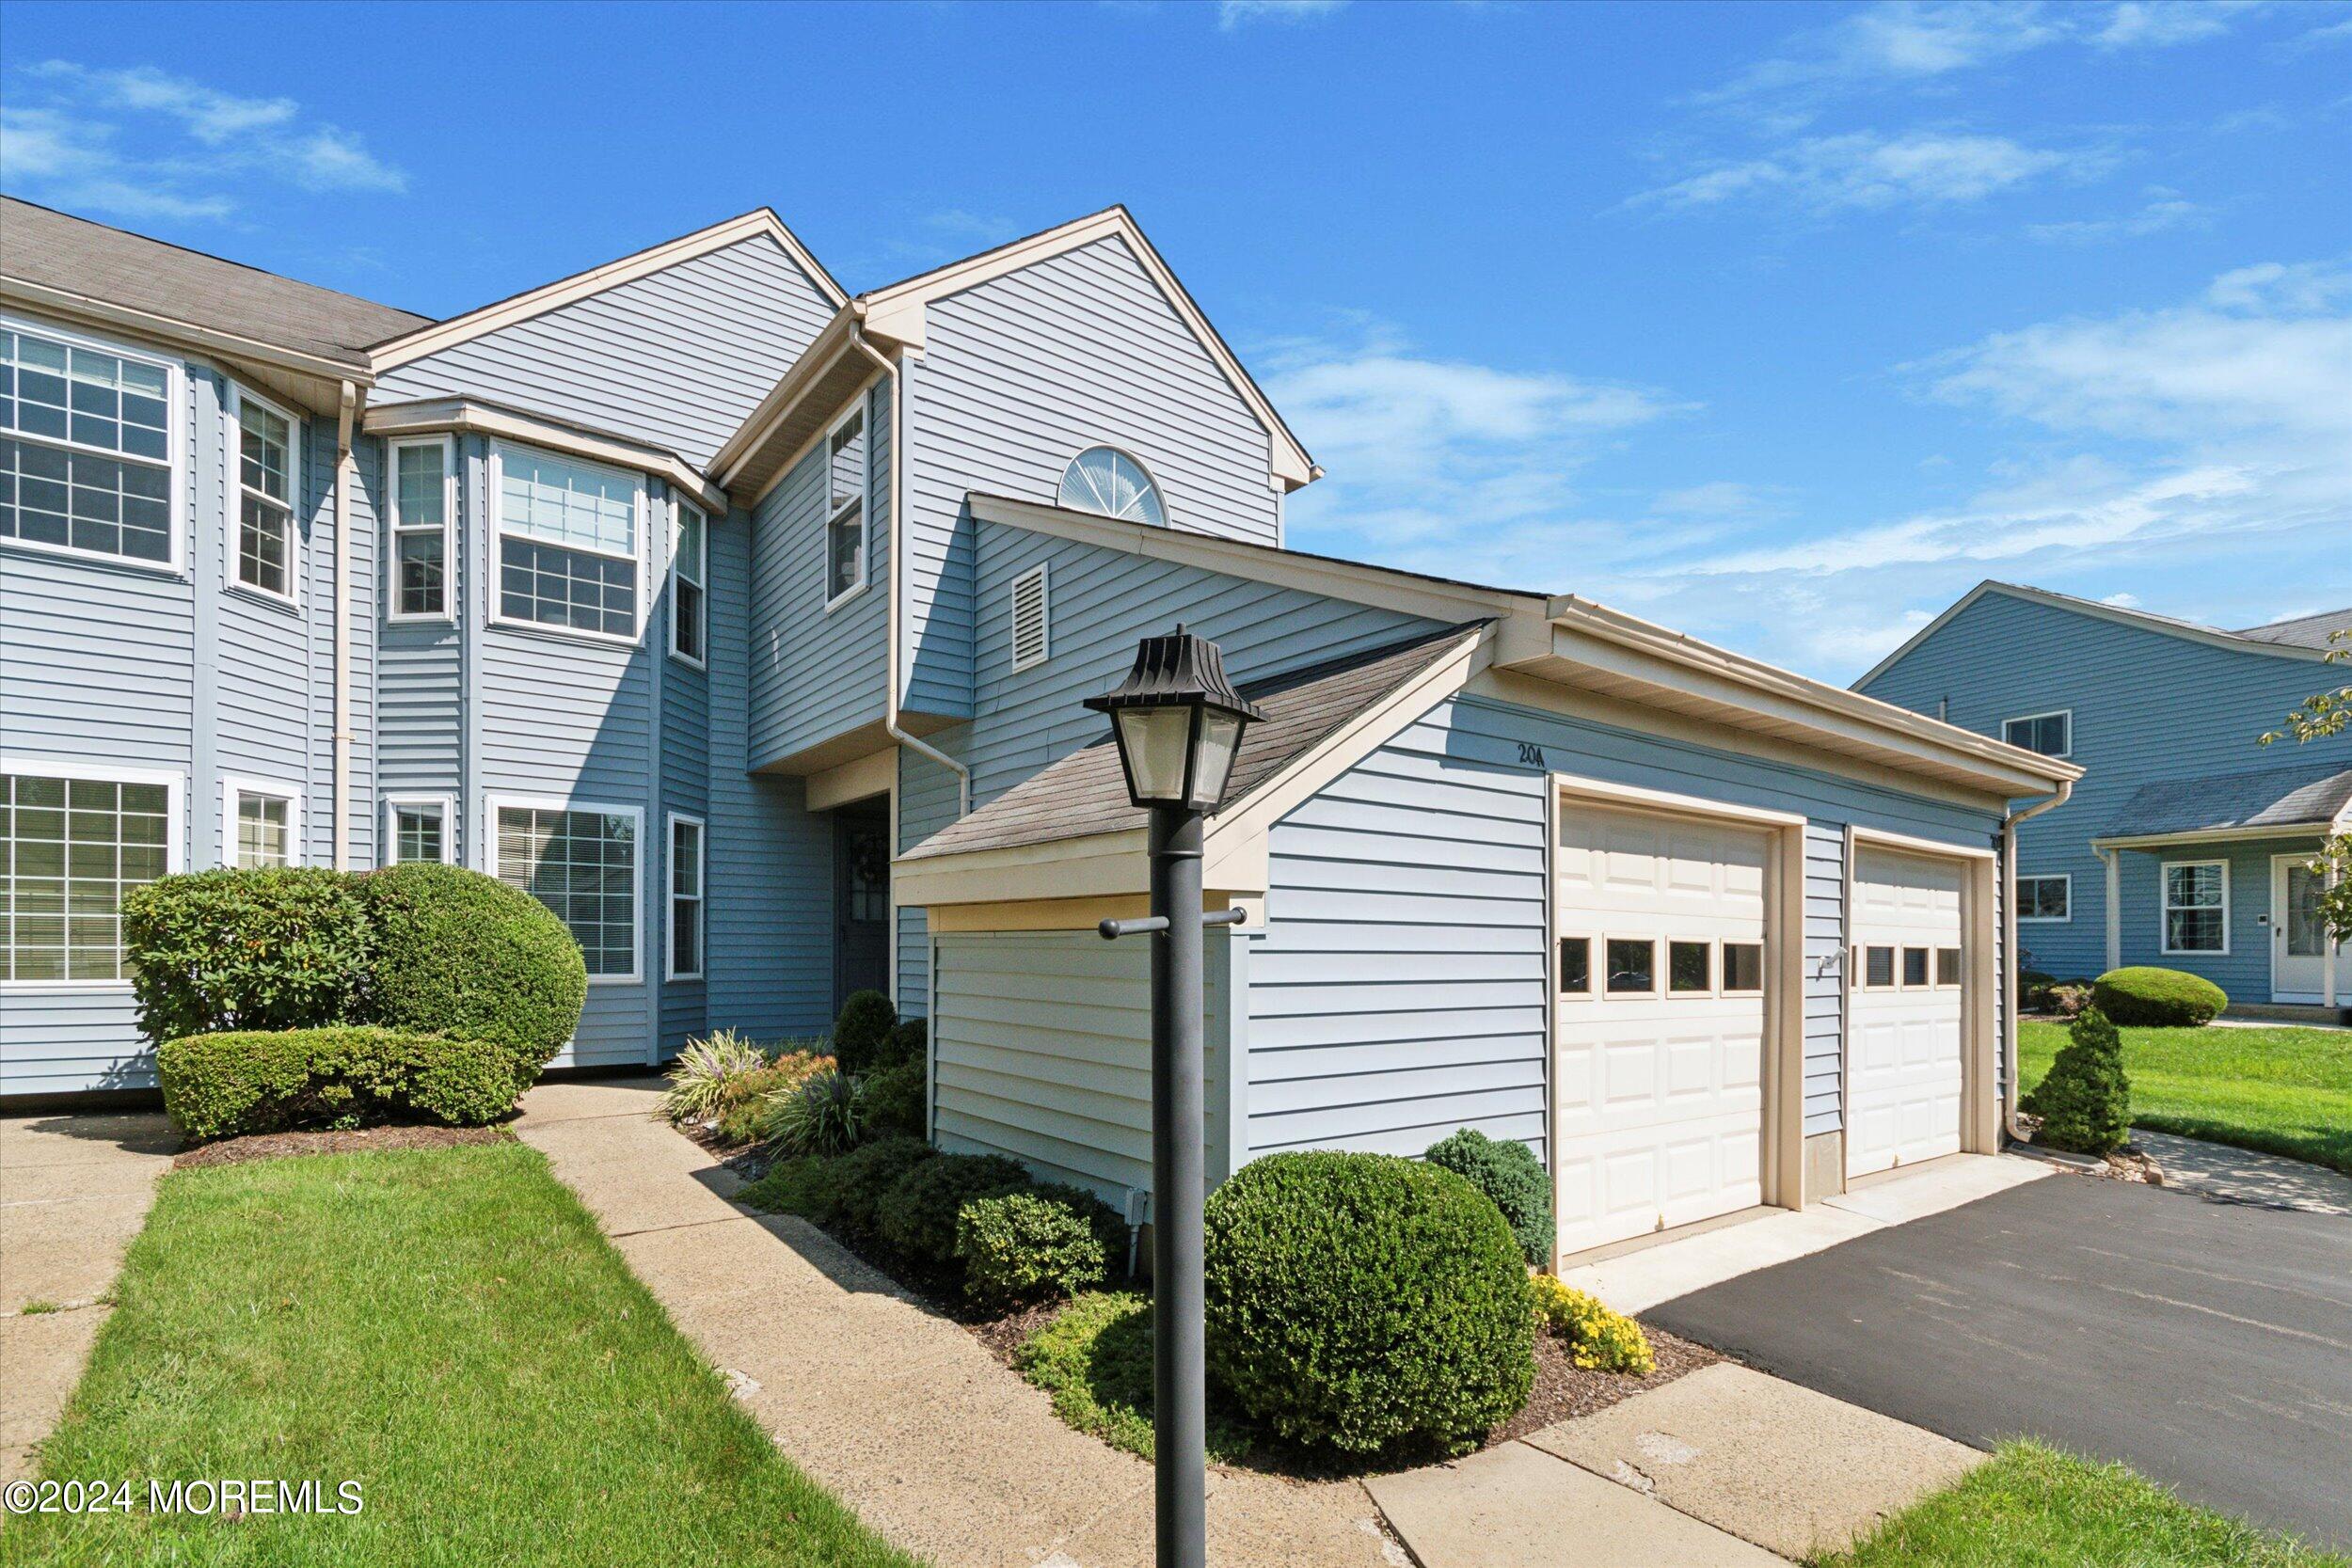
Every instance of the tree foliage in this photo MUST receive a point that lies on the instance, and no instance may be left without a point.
(2321, 716)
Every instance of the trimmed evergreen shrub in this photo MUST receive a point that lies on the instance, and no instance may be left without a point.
(2085, 1101)
(1367, 1303)
(892, 1100)
(459, 953)
(1105, 1221)
(1021, 1246)
(857, 1184)
(247, 1081)
(909, 1042)
(276, 948)
(1598, 1337)
(919, 1212)
(1508, 1173)
(2145, 997)
(861, 1034)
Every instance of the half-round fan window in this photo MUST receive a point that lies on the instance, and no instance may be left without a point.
(1105, 480)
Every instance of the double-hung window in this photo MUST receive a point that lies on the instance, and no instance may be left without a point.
(2045, 897)
(568, 544)
(416, 827)
(845, 508)
(424, 494)
(72, 845)
(2197, 907)
(265, 531)
(688, 572)
(580, 861)
(685, 961)
(84, 449)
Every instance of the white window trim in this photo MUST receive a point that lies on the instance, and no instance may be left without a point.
(2065, 713)
(175, 448)
(701, 579)
(1045, 601)
(2066, 919)
(493, 570)
(493, 804)
(670, 897)
(446, 805)
(448, 612)
(863, 503)
(175, 785)
(233, 786)
(2165, 907)
(233, 452)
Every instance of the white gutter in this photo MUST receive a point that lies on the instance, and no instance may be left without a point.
(344, 466)
(898, 573)
(2009, 947)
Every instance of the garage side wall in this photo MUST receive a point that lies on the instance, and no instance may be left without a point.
(1398, 990)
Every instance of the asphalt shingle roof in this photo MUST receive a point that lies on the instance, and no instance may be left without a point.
(61, 251)
(1085, 793)
(2304, 631)
(2312, 796)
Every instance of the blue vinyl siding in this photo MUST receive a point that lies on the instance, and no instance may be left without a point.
(2146, 706)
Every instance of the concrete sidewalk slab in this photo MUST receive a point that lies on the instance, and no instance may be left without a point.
(2242, 1175)
(42, 1356)
(590, 1099)
(1794, 1472)
(1512, 1506)
(1902, 1196)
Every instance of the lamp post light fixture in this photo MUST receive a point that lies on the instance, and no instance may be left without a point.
(1178, 723)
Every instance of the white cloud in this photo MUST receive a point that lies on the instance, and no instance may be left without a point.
(140, 143)
(2163, 212)
(2140, 24)
(2275, 288)
(2121, 601)
(1231, 14)
(1865, 169)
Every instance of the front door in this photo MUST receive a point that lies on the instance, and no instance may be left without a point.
(2298, 942)
(861, 899)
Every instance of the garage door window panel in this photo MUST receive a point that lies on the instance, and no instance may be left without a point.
(1743, 969)
(1576, 966)
(1632, 966)
(1691, 968)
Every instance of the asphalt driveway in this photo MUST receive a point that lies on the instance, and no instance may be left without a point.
(2207, 1344)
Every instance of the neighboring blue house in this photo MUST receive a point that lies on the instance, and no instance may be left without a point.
(2187, 843)
(746, 625)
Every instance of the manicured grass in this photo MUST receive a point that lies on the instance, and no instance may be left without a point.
(449, 1329)
(2034, 1507)
(2283, 1091)
(1095, 1360)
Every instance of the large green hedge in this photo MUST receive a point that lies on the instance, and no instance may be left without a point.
(459, 953)
(1367, 1303)
(223, 1084)
(2145, 997)
(1508, 1173)
(277, 948)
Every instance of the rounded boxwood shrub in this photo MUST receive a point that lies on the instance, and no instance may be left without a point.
(1021, 1246)
(2158, 998)
(249, 1081)
(919, 1212)
(1367, 1303)
(861, 1034)
(459, 953)
(276, 948)
(1509, 1173)
(856, 1184)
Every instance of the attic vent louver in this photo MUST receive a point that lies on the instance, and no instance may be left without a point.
(1030, 643)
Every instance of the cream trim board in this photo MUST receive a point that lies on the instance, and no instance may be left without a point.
(394, 528)
(860, 779)
(1666, 802)
(496, 800)
(234, 788)
(792, 388)
(174, 783)
(2164, 907)
(440, 336)
(808, 443)
(1879, 838)
(396, 802)
(2065, 877)
(2215, 835)
(471, 416)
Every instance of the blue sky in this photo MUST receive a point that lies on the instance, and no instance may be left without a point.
(1779, 324)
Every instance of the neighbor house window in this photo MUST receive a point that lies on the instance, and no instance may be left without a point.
(688, 572)
(580, 861)
(70, 848)
(2045, 897)
(2051, 734)
(845, 508)
(2197, 907)
(261, 824)
(84, 449)
(1105, 480)
(418, 829)
(424, 508)
(568, 544)
(265, 532)
(686, 898)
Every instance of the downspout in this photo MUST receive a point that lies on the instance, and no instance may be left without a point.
(346, 416)
(2008, 950)
(897, 575)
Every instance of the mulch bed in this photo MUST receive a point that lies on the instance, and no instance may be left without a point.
(1564, 1391)
(275, 1145)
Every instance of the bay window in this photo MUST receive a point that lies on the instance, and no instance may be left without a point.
(84, 449)
(568, 544)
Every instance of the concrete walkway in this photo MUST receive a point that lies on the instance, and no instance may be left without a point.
(2230, 1174)
(904, 1416)
(74, 1190)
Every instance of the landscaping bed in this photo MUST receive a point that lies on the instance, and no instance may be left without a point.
(353, 1140)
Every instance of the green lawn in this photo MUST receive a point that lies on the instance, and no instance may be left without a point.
(2034, 1507)
(2284, 1092)
(447, 1328)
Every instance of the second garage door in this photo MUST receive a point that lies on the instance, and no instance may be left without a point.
(1659, 1023)
(1904, 1068)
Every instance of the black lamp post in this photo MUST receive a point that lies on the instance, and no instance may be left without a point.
(1178, 721)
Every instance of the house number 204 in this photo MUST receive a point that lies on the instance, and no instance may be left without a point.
(1530, 756)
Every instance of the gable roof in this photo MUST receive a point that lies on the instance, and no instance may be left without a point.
(48, 257)
(2287, 639)
(2304, 631)
(393, 350)
(2312, 795)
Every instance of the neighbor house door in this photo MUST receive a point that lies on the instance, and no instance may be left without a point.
(2298, 942)
(861, 899)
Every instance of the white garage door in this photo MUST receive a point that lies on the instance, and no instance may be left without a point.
(1902, 1096)
(1660, 1027)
